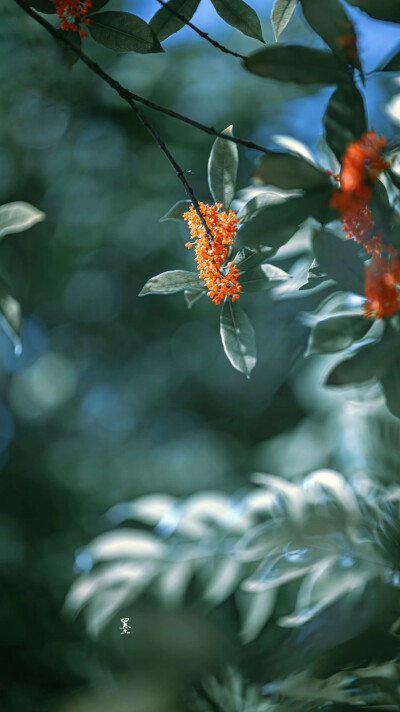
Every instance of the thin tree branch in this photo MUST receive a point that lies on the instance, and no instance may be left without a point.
(202, 34)
(124, 93)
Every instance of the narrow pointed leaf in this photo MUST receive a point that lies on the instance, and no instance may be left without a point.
(281, 15)
(237, 336)
(123, 32)
(387, 10)
(340, 259)
(19, 216)
(241, 16)
(165, 23)
(345, 118)
(337, 332)
(287, 171)
(222, 169)
(45, 6)
(372, 361)
(177, 211)
(262, 277)
(171, 282)
(296, 64)
(330, 21)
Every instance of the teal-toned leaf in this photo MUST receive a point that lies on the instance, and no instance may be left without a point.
(237, 336)
(177, 211)
(10, 311)
(278, 570)
(287, 171)
(222, 169)
(327, 583)
(297, 64)
(266, 199)
(262, 277)
(277, 222)
(192, 296)
(45, 6)
(345, 118)
(391, 64)
(387, 10)
(330, 21)
(171, 282)
(340, 259)
(241, 16)
(391, 388)
(247, 258)
(19, 216)
(255, 610)
(165, 23)
(124, 32)
(371, 361)
(281, 15)
(337, 332)
(97, 5)
(315, 277)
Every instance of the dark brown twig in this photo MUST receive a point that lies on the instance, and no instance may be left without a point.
(202, 34)
(126, 95)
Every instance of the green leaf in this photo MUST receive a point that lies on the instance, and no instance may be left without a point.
(262, 277)
(45, 6)
(222, 169)
(124, 32)
(387, 10)
(315, 277)
(97, 5)
(337, 332)
(391, 388)
(171, 282)
(372, 361)
(345, 118)
(247, 258)
(177, 211)
(295, 63)
(392, 64)
(340, 259)
(237, 336)
(277, 222)
(330, 21)
(287, 171)
(241, 16)
(10, 311)
(281, 15)
(19, 216)
(165, 23)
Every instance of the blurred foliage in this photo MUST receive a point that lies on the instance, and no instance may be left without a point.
(115, 398)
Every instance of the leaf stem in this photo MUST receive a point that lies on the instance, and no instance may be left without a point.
(202, 34)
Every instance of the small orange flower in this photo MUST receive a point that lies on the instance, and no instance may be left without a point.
(71, 13)
(222, 281)
(349, 44)
(361, 165)
(382, 283)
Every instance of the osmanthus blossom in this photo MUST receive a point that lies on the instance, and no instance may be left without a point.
(362, 164)
(211, 254)
(73, 12)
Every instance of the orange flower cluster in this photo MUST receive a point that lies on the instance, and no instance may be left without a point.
(72, 12)
(211, 253)
(361, 165)
(382, 284)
